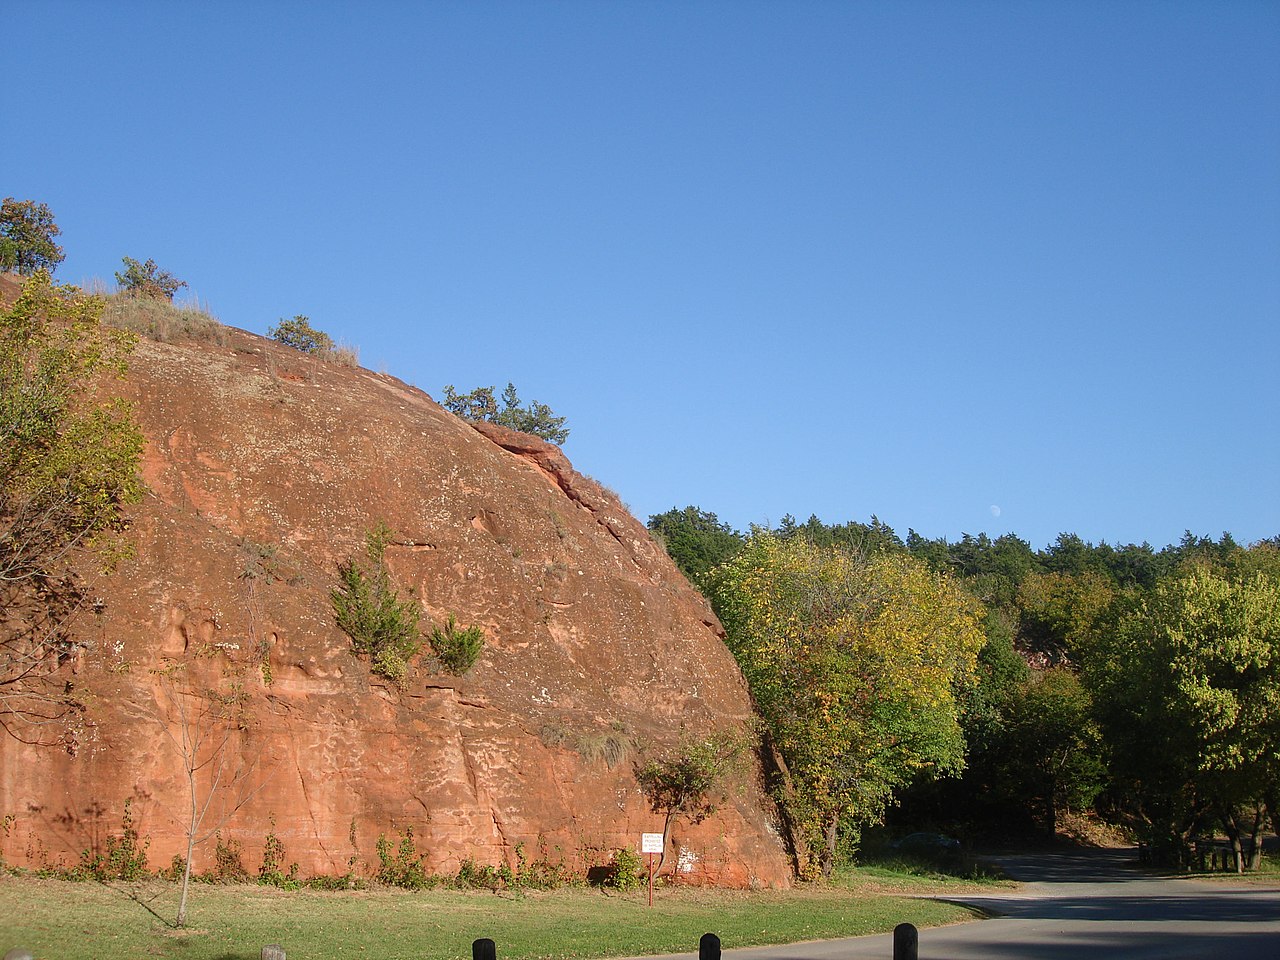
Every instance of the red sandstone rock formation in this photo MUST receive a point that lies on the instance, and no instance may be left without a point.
(597, 649)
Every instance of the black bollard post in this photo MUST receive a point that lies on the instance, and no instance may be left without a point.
(709, 947)
(484, 949)
(906, 942)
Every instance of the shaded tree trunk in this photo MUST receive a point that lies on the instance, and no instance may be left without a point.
(1051, 808)
(831, 836)
(1232, 826)
(1272, 803)
(784, 796)
(666, 838)
(1255, 835)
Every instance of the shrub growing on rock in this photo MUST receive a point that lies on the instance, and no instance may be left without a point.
(371, 612)
(68, 467)
(684, 782)
(457, 649)
(536, 419)
(147, 280)
(299, 334)
(400, 865)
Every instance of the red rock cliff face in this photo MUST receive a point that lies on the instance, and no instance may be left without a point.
(265, 469)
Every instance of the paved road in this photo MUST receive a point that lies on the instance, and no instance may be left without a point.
(1093, 905)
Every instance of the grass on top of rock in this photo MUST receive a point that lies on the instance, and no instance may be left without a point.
(159, 319)
(118, 922)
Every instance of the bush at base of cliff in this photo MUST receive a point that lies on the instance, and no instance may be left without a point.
(401, 865)
(542, 873)
(474, 876)
(228, 864)
(272, 872)
(626, 872)
(124, 857)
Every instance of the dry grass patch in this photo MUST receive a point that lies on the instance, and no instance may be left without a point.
(161, 320)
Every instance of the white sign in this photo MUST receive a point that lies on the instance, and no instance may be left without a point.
(650, 843)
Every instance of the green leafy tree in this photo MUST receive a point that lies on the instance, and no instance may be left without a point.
(854, 664)
(985, 705)
(1072, 554)
(1059, 612)
(147, 280)
(695, 539)
(68, 467)
(1050, 751)
(981, 795)
(1260, 559)
(479, 404)
(684, 781)
(26, 237)
(1192, 551)
(536, 419)
(371, 612)
(933, 552)
(1188, 690)
(301, 335)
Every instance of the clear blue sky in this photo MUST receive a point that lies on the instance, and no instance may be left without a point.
(969, 267)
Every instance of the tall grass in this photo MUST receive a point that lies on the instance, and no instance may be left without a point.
(343, 355)
(162, 320)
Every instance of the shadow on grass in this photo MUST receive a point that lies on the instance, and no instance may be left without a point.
(140, 894)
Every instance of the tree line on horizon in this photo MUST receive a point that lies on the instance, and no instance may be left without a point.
(1135, 685)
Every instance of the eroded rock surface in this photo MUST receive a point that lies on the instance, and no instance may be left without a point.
(265, 469)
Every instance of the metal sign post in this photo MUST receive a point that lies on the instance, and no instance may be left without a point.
(650, 843)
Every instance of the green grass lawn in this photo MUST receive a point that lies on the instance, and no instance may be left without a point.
(60, 920)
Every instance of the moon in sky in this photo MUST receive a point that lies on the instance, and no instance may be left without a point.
(995, 511)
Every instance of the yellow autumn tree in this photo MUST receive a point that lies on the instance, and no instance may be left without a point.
(69, 456)
(854, 664)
